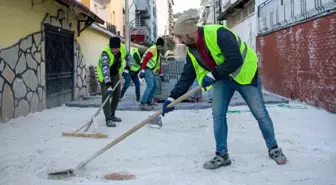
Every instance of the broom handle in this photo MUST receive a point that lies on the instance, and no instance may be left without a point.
(138, 126)
(100, 108)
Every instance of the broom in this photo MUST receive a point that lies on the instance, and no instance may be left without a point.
(92, 121)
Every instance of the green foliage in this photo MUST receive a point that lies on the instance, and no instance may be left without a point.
(191, 11)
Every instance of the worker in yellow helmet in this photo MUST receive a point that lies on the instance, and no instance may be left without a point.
(218, 57)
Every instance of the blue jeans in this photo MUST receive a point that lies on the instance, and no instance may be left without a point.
(134, 77)
(223, 91)
(151, 87)
(210, 94)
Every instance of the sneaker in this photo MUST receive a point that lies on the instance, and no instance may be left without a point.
(110, 123)
(146, 107)
(217, 161)
(115, 119)
(277, 155)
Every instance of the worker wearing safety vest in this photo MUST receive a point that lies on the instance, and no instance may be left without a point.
(219, 58)
(151, 65)
(131, 73)
(110, 66)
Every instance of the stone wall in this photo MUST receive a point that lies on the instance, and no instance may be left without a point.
(81, 71)
(22, 72)
(22, 87)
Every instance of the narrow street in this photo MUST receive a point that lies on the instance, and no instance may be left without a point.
(173, 154)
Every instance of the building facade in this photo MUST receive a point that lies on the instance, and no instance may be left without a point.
(210, 10)
(41, 66)
(145, 30)
(165, 17)
(296, 48)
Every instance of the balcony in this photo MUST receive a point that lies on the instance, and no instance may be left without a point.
(102, 2)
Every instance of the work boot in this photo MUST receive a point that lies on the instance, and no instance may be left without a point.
(146, 107)
(110, 123)
(217, 161)
(277, 155)
(151, 103)
(115, 119)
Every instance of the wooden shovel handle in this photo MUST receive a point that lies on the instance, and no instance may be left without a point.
(138, 126)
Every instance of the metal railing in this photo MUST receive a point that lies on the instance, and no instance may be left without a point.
(277, 14)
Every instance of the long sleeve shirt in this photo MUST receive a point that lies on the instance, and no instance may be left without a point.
(229, 48)
(114, 69)
(146, 59)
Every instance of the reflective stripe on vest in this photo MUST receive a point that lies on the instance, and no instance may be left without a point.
(111, 56)
(135, 66)
(244, 74)
(154, 62)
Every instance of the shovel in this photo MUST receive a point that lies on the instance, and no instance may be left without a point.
(123, 136)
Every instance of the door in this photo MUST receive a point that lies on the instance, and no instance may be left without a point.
(59, 56)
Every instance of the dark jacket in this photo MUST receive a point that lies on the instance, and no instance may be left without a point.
(233, 60)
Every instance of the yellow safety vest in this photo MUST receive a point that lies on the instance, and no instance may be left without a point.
(111, 56)
(244, 74)
(154, 62)
(135, 66)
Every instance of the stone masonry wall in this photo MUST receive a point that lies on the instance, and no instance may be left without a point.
(22, 87)
(299, 62)
(22, 72)
(81, 71)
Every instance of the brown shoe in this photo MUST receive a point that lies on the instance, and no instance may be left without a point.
(146, 107)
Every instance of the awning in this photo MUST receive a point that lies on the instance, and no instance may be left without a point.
(82, 8)
(239, 4)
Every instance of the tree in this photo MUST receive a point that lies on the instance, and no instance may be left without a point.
(191, 11)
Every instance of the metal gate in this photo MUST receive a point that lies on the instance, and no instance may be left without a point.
(59, 56)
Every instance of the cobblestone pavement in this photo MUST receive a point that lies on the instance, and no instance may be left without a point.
(129, 102)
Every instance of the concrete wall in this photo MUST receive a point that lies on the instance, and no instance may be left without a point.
(92, 42)
(162, 16)
(299, 62)
(102, 11)
(22, 62)
(247, 30)
(275, 14)
(117, 7)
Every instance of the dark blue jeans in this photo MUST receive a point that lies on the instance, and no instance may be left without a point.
(223, 91)
(151, 87)
(134, 77)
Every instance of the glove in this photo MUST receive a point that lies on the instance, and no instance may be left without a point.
(126, 72)
(142, 74)
(162, 78)
(109, 90)
(208, 80)
(166, 109)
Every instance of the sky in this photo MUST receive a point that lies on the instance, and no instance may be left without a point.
(181, 5)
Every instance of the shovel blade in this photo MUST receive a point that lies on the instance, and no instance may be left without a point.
(155, 123)
(62, 172)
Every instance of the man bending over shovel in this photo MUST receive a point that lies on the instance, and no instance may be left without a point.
(110, 66)
(217, 57)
